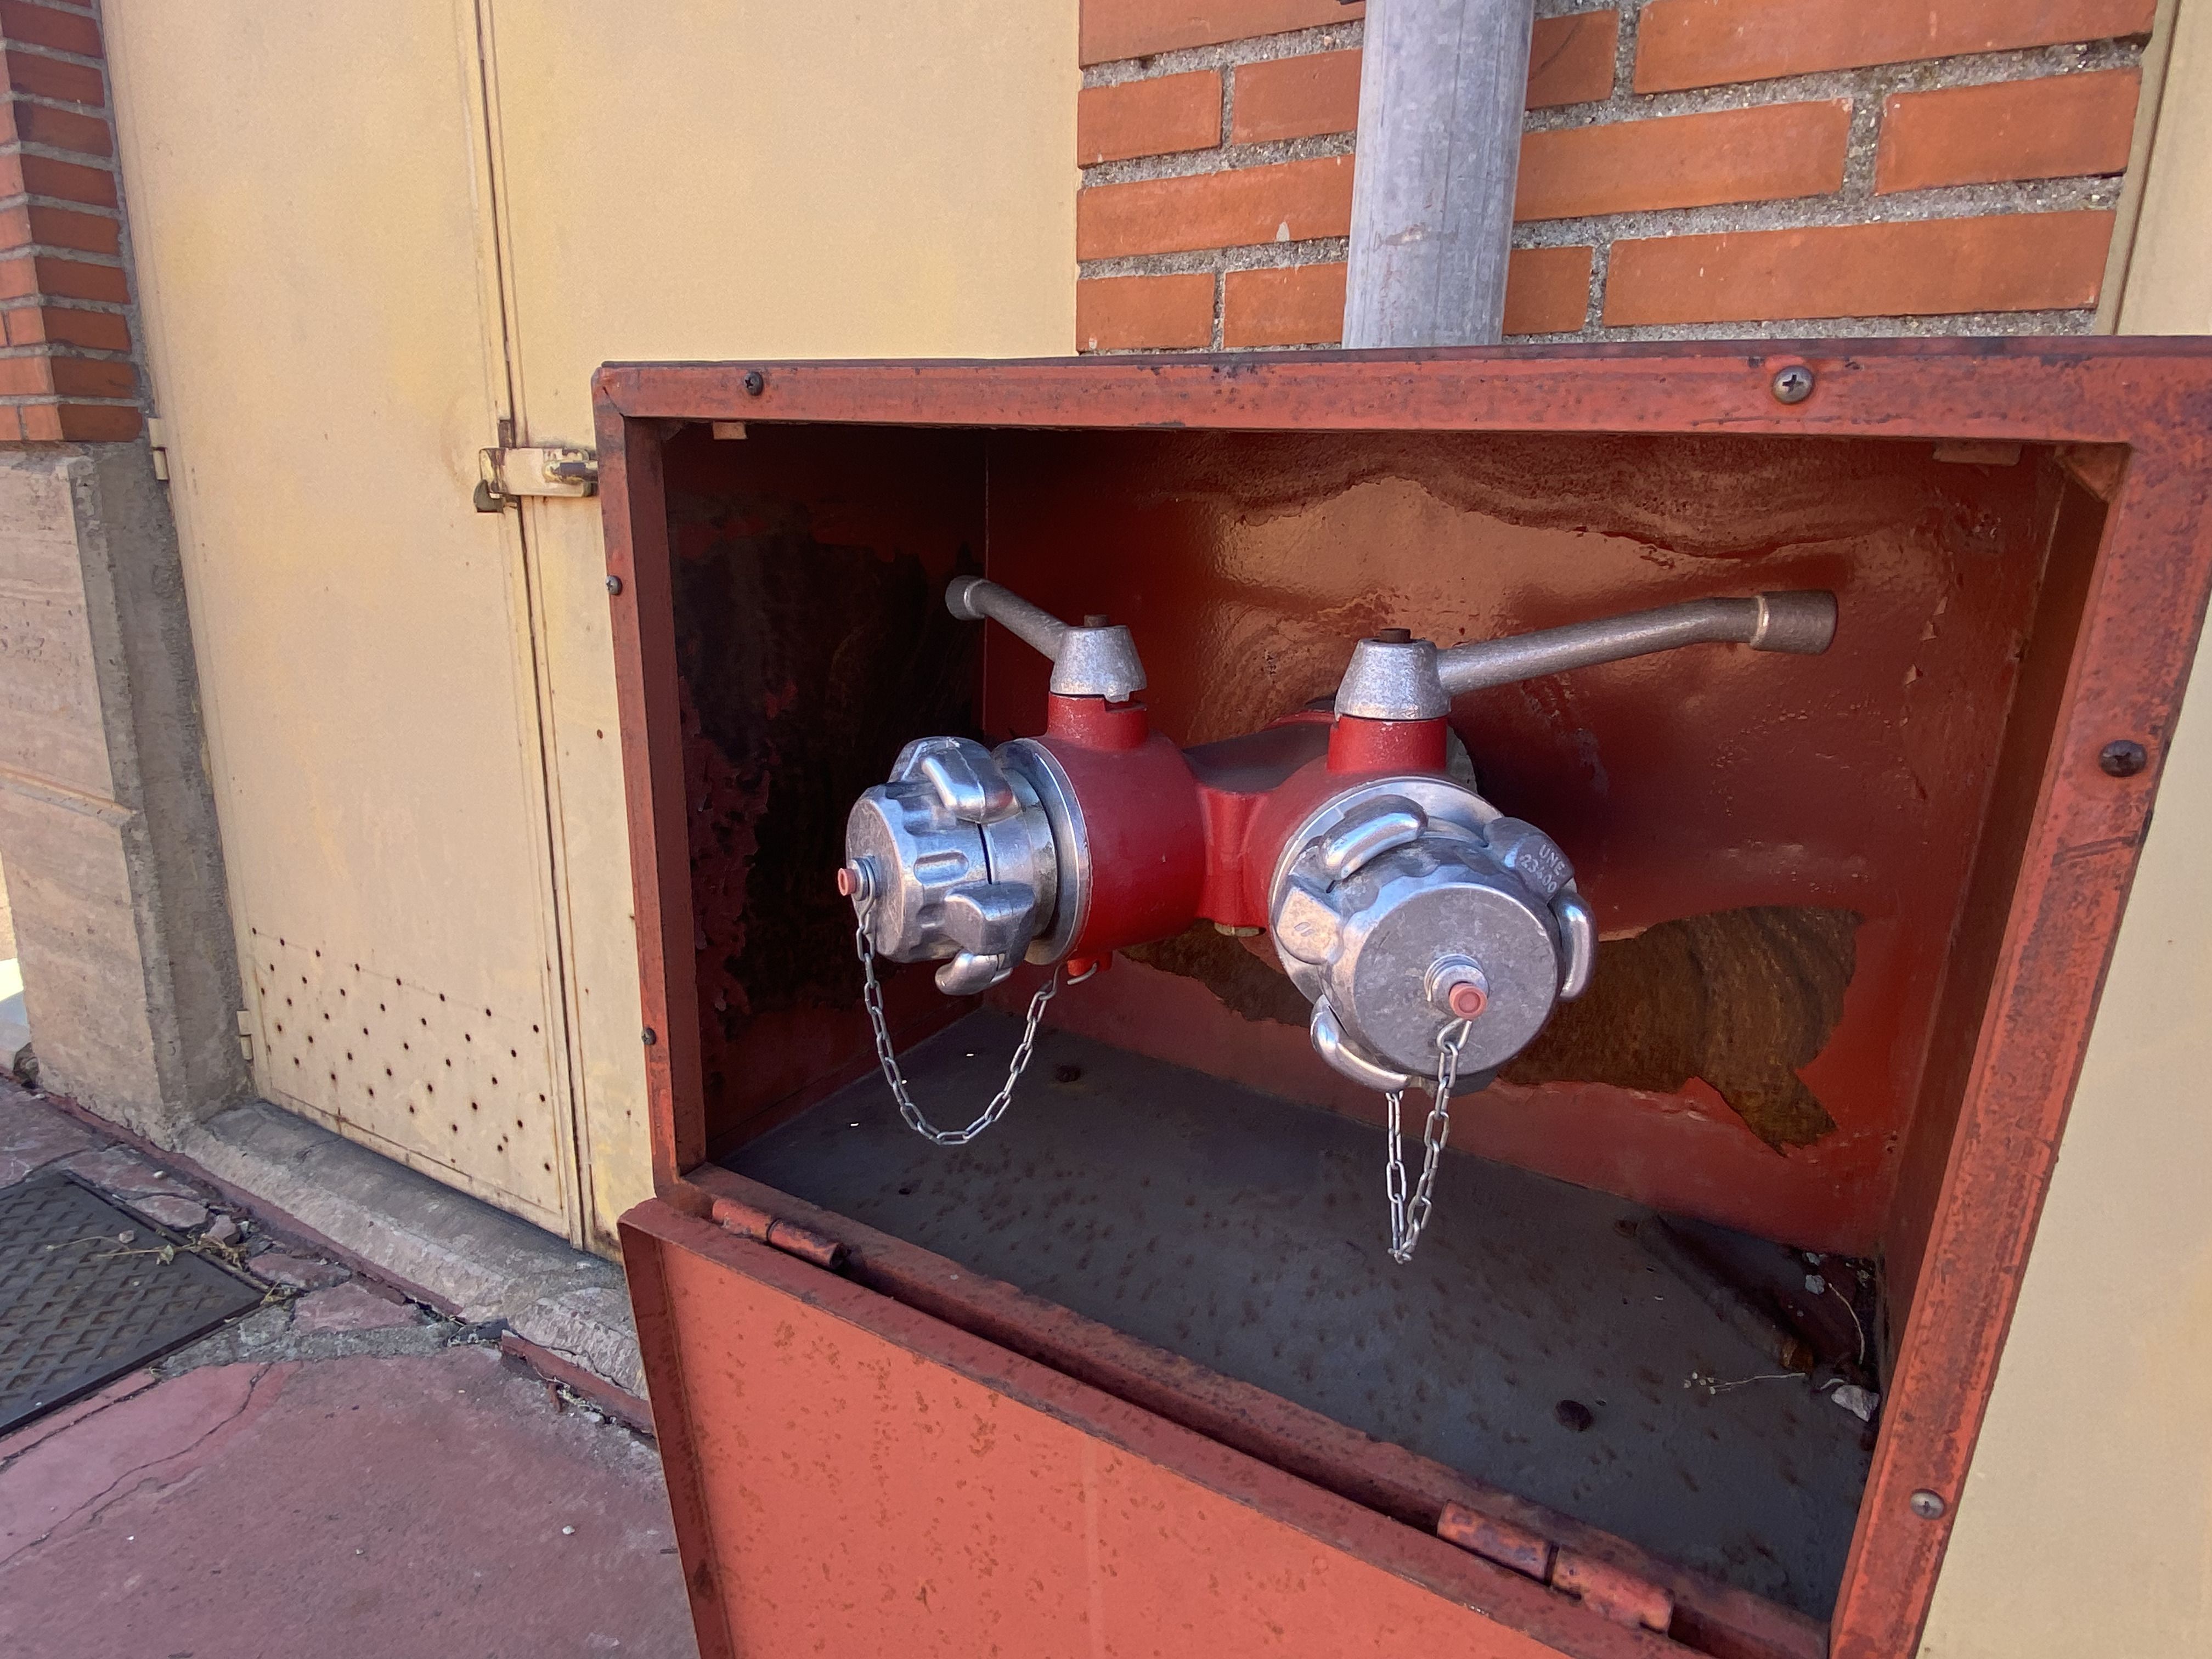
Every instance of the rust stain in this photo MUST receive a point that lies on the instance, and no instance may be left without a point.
(1245, 984)
(805, 663)
(1740, 998)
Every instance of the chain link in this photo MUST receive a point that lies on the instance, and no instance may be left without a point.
(872, 994)
(1406, 1219)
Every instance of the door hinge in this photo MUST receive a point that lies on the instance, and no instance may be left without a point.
(786, 1236)
(1609, 1591)
(509, 473)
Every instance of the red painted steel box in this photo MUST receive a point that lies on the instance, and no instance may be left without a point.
(1856, 912)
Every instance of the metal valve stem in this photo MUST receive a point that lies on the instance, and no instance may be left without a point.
(1802, 623)
(1095, 660)
(1401, 680)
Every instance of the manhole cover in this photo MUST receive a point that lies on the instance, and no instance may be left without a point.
(80, 1305)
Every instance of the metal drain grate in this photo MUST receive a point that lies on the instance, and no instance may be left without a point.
(79, 1306)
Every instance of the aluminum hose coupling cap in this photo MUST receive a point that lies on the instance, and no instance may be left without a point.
(951, 860)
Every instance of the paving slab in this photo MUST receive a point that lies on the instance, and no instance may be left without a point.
(128, 1174)
(349, 1308)
(435, 1505)
(33, 1135)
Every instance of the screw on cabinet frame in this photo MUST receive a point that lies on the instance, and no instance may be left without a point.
(1927, 1504)
(1792, 385)
(756, 383)
(2123, 757)
(614, 584)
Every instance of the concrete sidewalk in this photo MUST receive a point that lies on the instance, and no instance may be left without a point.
(341, 1472)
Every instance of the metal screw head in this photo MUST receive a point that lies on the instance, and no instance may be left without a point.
(648, 1037)
(756, 383)
(1792, 385)
(1926, 1504)
(614, 584)
(2123, 757)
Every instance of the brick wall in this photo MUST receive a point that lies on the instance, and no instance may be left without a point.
(66, 370)
(1689, 167)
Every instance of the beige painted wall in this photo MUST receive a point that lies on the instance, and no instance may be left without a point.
(356, 254)
(2086, 1524)
(2169, 289)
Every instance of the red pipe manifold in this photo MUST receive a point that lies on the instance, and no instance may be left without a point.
(1432, 934)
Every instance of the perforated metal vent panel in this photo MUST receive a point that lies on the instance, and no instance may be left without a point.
(465, 1093)
(78, 1305)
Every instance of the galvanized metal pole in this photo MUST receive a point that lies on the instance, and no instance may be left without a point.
(1442, 87)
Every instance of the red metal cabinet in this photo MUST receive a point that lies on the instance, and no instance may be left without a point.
(872, 1448)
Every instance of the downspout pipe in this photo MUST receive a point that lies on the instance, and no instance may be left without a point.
(1442, 84)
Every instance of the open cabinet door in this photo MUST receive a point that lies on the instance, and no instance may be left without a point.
(886, 1482)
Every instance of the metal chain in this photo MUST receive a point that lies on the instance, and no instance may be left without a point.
(1406, 1219)
(872, 994)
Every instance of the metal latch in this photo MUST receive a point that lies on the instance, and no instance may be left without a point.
(550, 471)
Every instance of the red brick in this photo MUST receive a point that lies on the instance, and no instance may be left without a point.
(41, 175)
(1569, 62)
(1571, 58)
(1547, 292)
(53, 226)
(1118, 313)
(1546, 289)
(1925, 268)
(79, 422)
(1764, 153)
(52, 77)
(24, 377)
(72, 377)
(1289, 202)
(94, 377)
(2060, 127)
(58, 128)
(43, 26)
(101, 330)
(49, 276)
(12, 424)
(1148, 117)
(1296, 305)
(87, 233)
(1711, 43)
(1136, 28)
(1296, 97)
